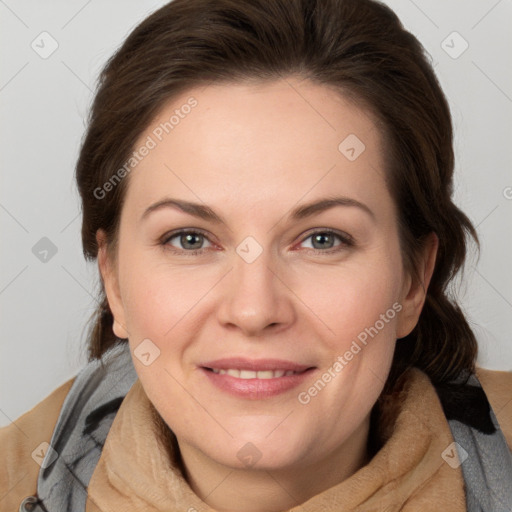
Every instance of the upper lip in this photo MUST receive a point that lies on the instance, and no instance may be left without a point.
(242, 363)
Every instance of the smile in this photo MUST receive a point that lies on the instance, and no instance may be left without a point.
(250, 374)
(254, 379)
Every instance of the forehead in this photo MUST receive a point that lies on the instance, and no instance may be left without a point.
(286, 138)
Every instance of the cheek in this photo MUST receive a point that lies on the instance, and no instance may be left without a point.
(345, 301)
(158, 298)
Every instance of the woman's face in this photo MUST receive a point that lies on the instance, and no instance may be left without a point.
(264, 333)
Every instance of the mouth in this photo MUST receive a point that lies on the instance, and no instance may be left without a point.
(255, 379)
(251, 374)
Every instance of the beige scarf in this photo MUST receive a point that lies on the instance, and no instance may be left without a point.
(136, 472)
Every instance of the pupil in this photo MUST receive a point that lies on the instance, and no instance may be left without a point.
(189, 237)
(321, 237)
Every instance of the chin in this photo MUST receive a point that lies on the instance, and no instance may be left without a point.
(258, 453)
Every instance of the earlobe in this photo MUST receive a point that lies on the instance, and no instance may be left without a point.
(119, 330)
(111, 286)
(415, 290)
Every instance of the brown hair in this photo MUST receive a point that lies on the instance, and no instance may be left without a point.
(357, 47)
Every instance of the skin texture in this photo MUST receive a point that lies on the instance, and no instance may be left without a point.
(254, 152)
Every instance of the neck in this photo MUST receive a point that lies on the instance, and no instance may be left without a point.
(228, 489)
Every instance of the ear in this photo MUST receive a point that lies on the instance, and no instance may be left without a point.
(415, 290)
(111, 284)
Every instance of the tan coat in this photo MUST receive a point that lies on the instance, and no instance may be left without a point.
(407, 474)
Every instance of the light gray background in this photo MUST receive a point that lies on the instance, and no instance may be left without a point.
(44, 306)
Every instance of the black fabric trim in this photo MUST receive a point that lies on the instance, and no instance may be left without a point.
(467, 404)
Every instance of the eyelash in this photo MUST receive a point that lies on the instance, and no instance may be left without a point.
(346, 241)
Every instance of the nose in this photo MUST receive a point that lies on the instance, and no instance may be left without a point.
(256, 299)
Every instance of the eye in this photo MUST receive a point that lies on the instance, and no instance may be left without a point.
(323, 240)
(190, 241)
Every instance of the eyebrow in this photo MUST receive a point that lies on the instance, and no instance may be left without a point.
(301, 212)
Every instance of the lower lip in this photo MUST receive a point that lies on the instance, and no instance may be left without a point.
(256, 389)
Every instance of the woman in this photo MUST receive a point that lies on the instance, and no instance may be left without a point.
(266, 186)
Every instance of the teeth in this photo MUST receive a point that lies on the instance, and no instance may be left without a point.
(249, 374)
(267, 374)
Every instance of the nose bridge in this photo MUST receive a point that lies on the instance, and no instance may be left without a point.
(252, 266)
(252, 277)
